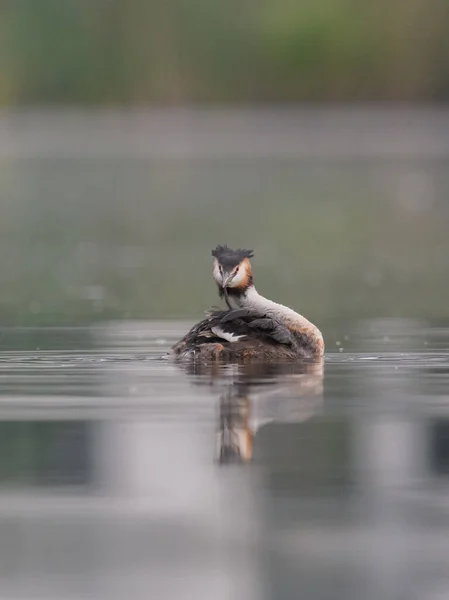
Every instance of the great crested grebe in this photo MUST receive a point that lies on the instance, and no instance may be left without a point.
(253, 327)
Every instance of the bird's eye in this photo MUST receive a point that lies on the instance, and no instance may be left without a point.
(236, 271)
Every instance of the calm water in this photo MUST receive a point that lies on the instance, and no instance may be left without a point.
(113, 214)
(124, 475)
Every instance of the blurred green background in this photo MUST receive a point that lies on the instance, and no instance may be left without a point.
(136, 135)
(180, 51)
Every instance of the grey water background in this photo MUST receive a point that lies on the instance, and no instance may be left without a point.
(109, 480)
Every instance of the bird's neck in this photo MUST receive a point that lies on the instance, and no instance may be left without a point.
(253, 301)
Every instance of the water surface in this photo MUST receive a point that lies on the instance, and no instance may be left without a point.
(125, 475)
(113, 214)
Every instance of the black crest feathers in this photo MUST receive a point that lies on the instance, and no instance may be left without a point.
(230, 258)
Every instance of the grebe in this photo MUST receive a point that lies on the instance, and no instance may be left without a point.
(253, 327)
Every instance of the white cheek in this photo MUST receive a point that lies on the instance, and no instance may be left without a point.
(216, 273)
(239, 279)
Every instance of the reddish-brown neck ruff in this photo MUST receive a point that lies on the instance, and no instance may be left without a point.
(244, 277)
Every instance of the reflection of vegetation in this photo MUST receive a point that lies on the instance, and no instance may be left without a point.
(177, 51)
(87, 240)
(439, 446)
(307, 456)
(44, 453)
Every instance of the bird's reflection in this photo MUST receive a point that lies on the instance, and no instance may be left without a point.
(252, 395)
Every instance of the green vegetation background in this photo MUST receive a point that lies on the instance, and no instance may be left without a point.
(177, 51)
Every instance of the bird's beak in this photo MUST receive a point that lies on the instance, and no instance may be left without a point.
(227, 278)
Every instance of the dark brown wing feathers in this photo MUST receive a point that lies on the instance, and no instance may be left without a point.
(238, 322)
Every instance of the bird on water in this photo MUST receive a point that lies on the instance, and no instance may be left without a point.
(252, 327)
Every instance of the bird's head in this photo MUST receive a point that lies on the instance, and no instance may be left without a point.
(232, 268)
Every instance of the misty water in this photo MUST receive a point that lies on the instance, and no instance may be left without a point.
(123, 474)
